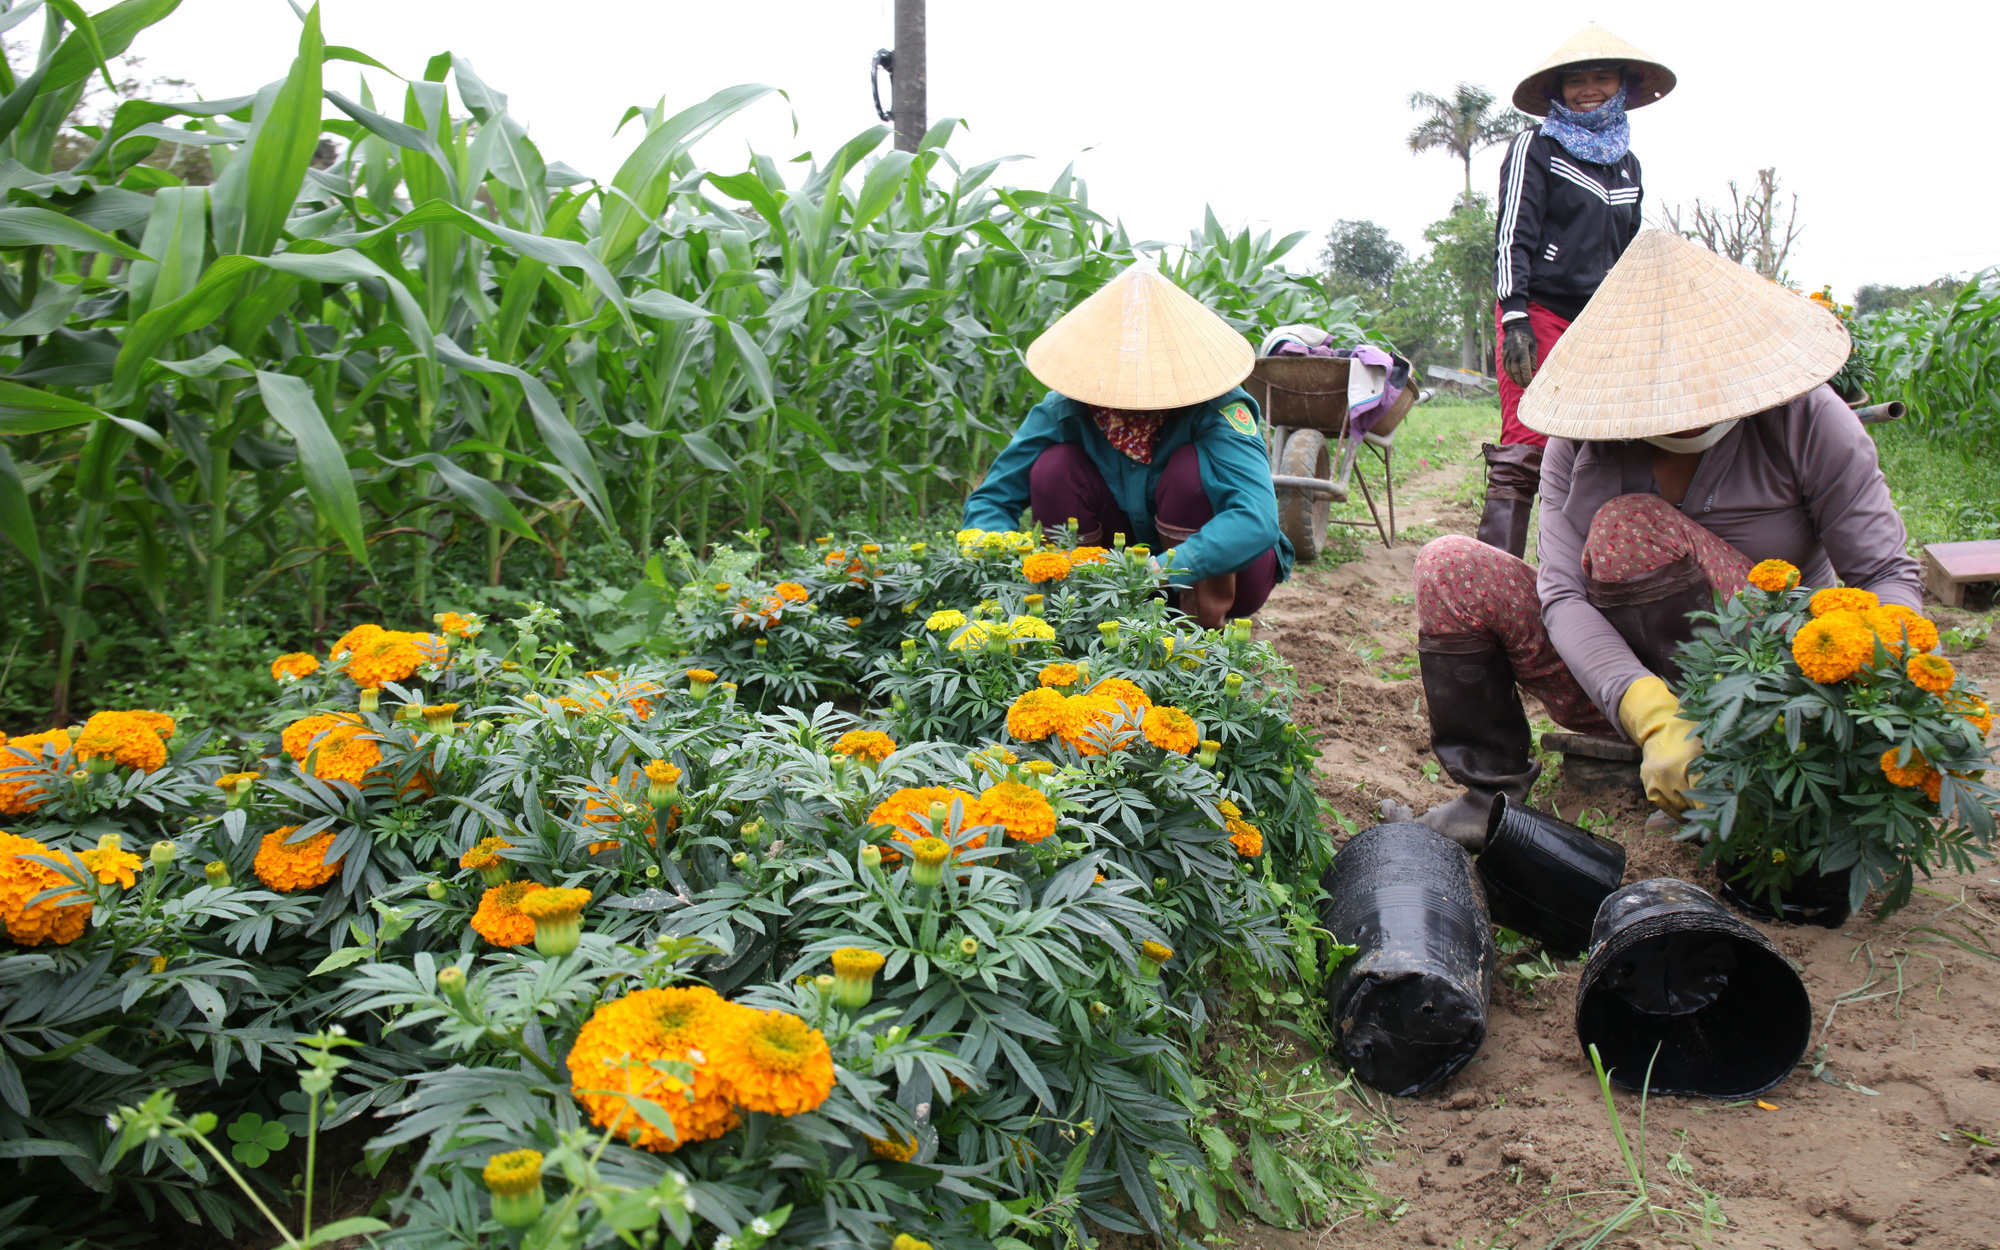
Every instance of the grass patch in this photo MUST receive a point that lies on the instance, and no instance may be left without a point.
(1946, 492)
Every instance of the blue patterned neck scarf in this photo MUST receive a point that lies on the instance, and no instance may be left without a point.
(1601, 135)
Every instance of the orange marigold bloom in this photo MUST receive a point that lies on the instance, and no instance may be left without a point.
(128, 738)
(500, 920)
(1843, 599)
(1088, 555)
(1171, 729)
(1933, 785)
(353, 638)
(553, 904)
(1088, 723)
(1895, 624)
(1832, 647)
(293, 666)
(1247, 838)
(771, 1061)
(484, 854)
(1932, 672)
(287, 867)
(1035, 715)
(1060, 675)
(662, 773)
(615, 1051)
(611, 814)
(60, 919)
(1973, 708)
(35, 756)
(1773, 576)
(865, 744)
(905, 810)
(1045, 566)
(391, 655)
(902, 1149)
(1124, 691)
(113, 865)
(456, 624)
(791, 592)
(1911, 774)
(299, 736)
(1023, 811)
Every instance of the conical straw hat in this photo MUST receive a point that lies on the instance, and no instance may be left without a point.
(1593, 45)
(1677, 338)
(1142, 344)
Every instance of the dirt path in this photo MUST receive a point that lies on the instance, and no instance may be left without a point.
(1894, 1142)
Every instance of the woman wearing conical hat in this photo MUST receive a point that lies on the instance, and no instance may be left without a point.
(1569, 205)
(1146, 432)
(1691, 435)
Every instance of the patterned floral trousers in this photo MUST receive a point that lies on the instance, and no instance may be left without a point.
(1468, 590)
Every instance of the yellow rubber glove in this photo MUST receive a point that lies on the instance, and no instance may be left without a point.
(1651, 716)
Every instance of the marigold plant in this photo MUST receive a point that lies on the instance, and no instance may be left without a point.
(1171, 729)
(865, 744)
(290, 866)
(294, 666)
(1023, 811)
(1045, 566)
(499, 918)
(60, 919)
(128, 739)
(25, 763)
(770, 1061)
(613, 1058)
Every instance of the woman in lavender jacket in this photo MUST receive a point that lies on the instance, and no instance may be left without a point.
(1692, 436)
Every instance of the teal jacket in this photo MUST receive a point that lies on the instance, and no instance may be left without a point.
(1235, 474)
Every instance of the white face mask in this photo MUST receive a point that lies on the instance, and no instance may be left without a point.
(1700, 442)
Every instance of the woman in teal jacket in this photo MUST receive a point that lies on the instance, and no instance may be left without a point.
(1148, 434)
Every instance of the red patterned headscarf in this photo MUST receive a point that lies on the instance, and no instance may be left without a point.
(1133, 433)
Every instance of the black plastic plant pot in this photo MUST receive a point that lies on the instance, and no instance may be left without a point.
(1545, 877)
(1812, 898)
(1673, 974)
(1409, 1006)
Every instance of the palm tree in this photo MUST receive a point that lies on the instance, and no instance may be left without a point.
(1462, 125)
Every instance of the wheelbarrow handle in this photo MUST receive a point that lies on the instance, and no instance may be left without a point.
(1314, 485)
(1876, 414)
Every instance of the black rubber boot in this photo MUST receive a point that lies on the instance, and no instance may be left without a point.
(1650, 612)
(1513, 475)
(1478, 732)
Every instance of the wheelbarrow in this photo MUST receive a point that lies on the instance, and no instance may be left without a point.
(1304, 400)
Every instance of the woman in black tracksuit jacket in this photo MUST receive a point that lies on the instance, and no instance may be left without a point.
(1570, 202)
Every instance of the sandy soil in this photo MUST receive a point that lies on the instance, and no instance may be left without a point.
(1881, 1139)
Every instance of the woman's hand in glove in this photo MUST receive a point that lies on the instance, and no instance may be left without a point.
(1651, 716)
(1517, 351)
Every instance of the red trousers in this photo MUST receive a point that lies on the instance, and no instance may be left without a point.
(1548, 328)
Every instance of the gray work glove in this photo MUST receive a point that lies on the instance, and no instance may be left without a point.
(1517, 351)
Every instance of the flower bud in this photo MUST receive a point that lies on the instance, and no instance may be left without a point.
(515, 1181)
(739, 860)
(899, 704)
(101, 764)
(1118, 542)
(909, 652)
(927, 866)
(451, 984)
(853, 978)
(1205, 756)
(81, 776)
(871, 857)
(968, 946)
(1151, 955)
(824, 982)
(164, 853)
(217, 873)
(1109, 630)
(436, 890)
(751, 831)
(1232, 685)
(1099, 1010)
(763, 644)
(1035, 605)
(371, 698)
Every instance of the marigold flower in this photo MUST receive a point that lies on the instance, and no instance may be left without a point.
(290, 866)
(1045, 566)
(771, 1061)
(1089, 723)
(1171, 729)
(661, 773)
(294, 666)
(1773, 576)
(557, 916)
(1897, 625)
(457, 624)
(1843, 599)
(699, 680)
(347, 642)
(791, 592)
(499, 918)
(1023, 811)
(1041, 768)
(337, 745)
(1933, 785)
(236, 783)
(1932, 672)
(1151, 955)
(1911, 774)
(515, 1181)
(390, 656)
(901, 1150)
(111, 863)
(929, 855)
(906, 1242)
(905, 810)
(60, 919)
(1030, 629)
(1059, 675)
(854, 622)
(616, 1048)
(1247, 838)
(1973, 708)
(1088, 555)
(869, 745)
(1124, 691)
(1833, 647)
(129, 739)
(1035, 715)
(854, 972)
(21, 792)
(610, 811)
(972, 637)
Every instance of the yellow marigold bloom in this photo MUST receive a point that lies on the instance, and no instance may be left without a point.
(700, 676)
(871, 549)
(948, 618)
(287, 867)
(1041, 768)
(1843, 599)
(293, 666)
(906, 1242)
(1021, 810)
(1933, 784)
(972, 636)
(1045, 566)
(298, 737)
(1059, 675)
(1229, 809)
(229, 781)
(1912, 774)
(500, 920)
(112, 865)
(1833, 647)
(60, 919)
(601, 812)
(1088, 555)
(513, 1173)
(791, 592)
(1909, 626)
(338, 745)
(1772, 576)
(1155, 951)
(20, 793)
(771, 1061)
(1035, 715)
(126, 738)
(1124, 691)
(1932, 672)
(1030, 629)
(661, 773)
(1171, 729)
(854, 622)
(865, 744)
(551, 903)
(614, 1052)
(1247, 838)
(484, 854)
(902, 1150)
(969, 538)
(854, 961)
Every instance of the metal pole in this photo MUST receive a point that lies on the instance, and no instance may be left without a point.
(909, 77)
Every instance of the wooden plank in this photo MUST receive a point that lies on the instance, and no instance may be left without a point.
(1967, 562)
(1946, 589)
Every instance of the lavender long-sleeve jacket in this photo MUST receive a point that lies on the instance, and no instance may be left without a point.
(1800, 483)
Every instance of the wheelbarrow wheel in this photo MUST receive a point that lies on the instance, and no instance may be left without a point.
(1302, 515)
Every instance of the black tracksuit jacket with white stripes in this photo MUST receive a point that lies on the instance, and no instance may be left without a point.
(1563, 223)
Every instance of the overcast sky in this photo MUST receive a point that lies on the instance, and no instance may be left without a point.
(1280, 116)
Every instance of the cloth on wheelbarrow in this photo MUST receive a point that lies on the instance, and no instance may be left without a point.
(1375, 381)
